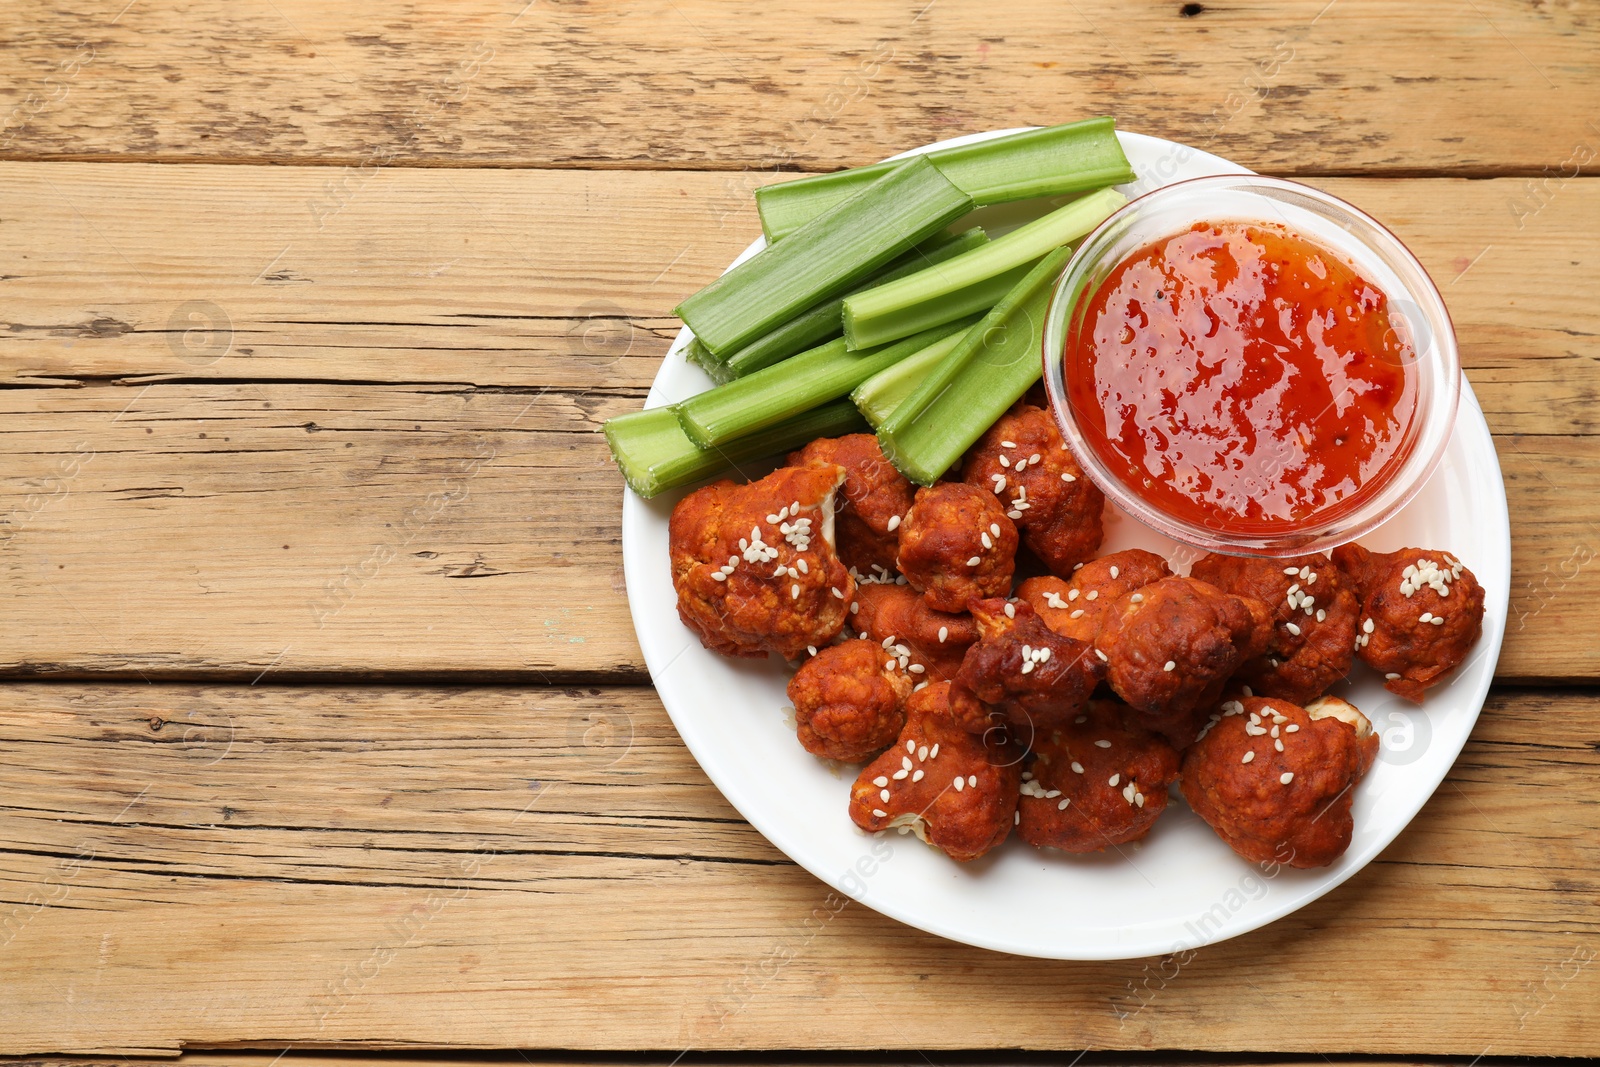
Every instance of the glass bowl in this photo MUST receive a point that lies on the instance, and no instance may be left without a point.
(1414, 305)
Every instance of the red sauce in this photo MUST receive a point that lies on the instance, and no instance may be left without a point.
(1241, 377)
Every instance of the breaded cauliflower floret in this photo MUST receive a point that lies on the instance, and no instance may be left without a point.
(1098, 781)
(1314, 621)
(957, 545)
(876, 498)
(754, 566)
(1023, 462)
(849, 701)
(1275, 780)
(1075, 607)
(934, 641)
(956, 790)
(1032, 677)
(1171, 646)
(1421, 613)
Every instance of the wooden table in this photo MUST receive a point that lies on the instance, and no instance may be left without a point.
(325, 725)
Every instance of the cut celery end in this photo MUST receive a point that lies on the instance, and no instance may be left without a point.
(880, 394)
(1052, 161)
(824, 257)
(826, 321)
(654, 454)
(869, 314)
(699, 355)
(799, 383)
(995, 363)
(975, 299)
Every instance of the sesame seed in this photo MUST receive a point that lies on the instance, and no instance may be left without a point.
(1278, 744)
(1013, 515)
(999, 483)
(1043, 655)
(1438, 620)
(960, 784)
(1137, 598)
(974, 561)
(1102, 655)
(1286, 777)
(994, 528)
(933, 752)
(1008, 444)
(1169, 665)
(894, 523)
(1391, 676)
(1061, 805)
(1115, 778)
(1005, 461)
(1275, 731)
(1114, 572)
(916, 668)
(1077, 768)
(1306, 602)
(1427, 616)
(804, 569)
(1016, 818)
(1034, 458)
(718, 576)
(1102, 744)
(883, 795)
(1248, 756)
(889, 666)
(811, 649)
(922, 753)
(879, 813)
(1321, 615)
(854, 607)
(917, 776)
(1027, 666)
(944, 632)
(1291, 570)
(1094, 594)
(972, 780)
(1077, 614)
(1138, 798)
(794, 591)
(1072, 594)
(1011, 611)
(1292, 628)
(911, 746)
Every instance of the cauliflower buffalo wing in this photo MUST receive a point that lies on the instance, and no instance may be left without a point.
(957, 544)
(1075, 607)
(1170, 647)
(1314, 621)
(1032, 677)
(875, 500)
(934, 641)
(1421, 613)
(1022, 461)
(754, 566)
(956, 790)
(849, 701)
(1096, 782)
(1274, 780)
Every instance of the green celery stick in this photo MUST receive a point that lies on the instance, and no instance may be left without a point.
(880, 394)
(1051, 161)
(882, 314)
(826, 320)
(824, 257)
(995, 363)
(655, 454)
(798, 384)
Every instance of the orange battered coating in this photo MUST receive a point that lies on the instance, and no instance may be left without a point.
(1290, 803)
(1023, 462)
(1082, 795)
(956, 790)
(754, 566)
(1075, 607)
(1315, 613)
(876, 498)
(934, 640)
(1404, 597)
(847, 705)
(1171, 646)
(1031, 676)
(956, 545)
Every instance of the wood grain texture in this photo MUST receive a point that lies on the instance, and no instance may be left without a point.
(548, 868)
(409, 399)
(1297, 86)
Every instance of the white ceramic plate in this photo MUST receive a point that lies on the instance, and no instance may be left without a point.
(1179, 888)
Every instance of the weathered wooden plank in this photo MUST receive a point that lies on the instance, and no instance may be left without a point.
(365, 867)
(1296, 86)
(567, 279)
(171, 530)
